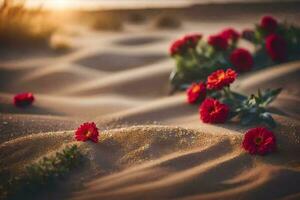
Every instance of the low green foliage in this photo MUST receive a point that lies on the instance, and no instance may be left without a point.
(39, 176)
(252, 109)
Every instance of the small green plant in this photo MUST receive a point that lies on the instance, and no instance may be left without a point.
(253, 109)
(39, 176)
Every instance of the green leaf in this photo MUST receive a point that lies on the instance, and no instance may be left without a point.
(232, 114)
(41, 175)
(267, 119)
(228, 101)
(248, 119)
(238, 96)
(269, 95)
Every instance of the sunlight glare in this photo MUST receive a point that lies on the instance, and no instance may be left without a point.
(58, 4)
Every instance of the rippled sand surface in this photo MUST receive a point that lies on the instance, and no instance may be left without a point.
(152, 145)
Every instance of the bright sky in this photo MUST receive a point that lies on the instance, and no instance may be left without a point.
(96, 4)
(93, 4)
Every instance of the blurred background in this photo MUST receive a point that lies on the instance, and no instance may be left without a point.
(52, 23)
(105, 48)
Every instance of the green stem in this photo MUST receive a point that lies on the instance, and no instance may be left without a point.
(228, 94)
(194, 56)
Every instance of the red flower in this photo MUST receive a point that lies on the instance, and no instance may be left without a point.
(23, 99)
(230, 34)
(180, 46)
(87, 131)
(248, 34)
(218, 42)
(220, 78)
(276, 47)
(269, 24)
(259, 141)
(212, 111)
(196, 92)
(192, 40)
(241, 59)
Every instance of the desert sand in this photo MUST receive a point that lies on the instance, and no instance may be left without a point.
(152, 145)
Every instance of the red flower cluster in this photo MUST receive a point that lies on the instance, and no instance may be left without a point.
(230, 34)
(196, 92)
(23, 99)
(212, 111)
(241, 59)
(180, 46)
(259, 141)
(87, 131)
(269, 24)
(218, 42)
(220, 78)
(276, 47)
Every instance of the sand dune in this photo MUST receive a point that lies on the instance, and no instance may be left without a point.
(118, 62)
(16, 125)
(127, 82)
(281, 76)
(134, 41)
(168, 162)
(152, 145)
(189, 164)
(87, 107)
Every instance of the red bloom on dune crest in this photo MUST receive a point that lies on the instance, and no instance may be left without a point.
(180, 46)
(196, 92)
(230, 34)
(23, 99)
(218, 42)
(241, 59)
(259, 141)
(220, 78)
(212, 111)
(269, 24)
(87, 131)
(276, 47)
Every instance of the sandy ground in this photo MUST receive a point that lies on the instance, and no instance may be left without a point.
(152, 145)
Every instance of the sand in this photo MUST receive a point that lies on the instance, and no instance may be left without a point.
(152, 145)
